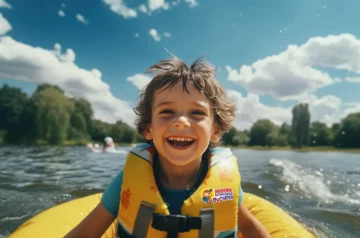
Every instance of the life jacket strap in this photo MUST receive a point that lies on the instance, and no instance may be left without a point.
(175, 223)
(207, 223)
(143, 219)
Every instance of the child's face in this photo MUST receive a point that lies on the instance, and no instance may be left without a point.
(182, 124)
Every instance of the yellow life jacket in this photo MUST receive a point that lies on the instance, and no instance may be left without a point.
(210, 210)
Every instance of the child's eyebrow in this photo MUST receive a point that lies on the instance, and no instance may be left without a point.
(198, 104)
(162, 104)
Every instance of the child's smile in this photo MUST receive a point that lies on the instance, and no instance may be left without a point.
(180, 143)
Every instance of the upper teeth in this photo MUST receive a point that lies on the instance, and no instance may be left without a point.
(180, 139)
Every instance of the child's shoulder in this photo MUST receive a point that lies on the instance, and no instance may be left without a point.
(221, 151)
(143, 150)
(142, 146)
(139, 148)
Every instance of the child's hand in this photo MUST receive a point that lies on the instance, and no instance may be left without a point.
(94, 225)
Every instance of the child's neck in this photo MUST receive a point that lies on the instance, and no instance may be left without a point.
(179, 177)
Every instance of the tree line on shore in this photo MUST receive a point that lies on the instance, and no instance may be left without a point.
(49, 116)
(301, 132)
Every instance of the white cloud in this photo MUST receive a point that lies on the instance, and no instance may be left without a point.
(250, 109)
(5, 26)
(192, 3)
(19, 61)
(351, 109)
(167, 34)
(119, 7)
(61, 13)
(68, 56)
(143, 8)
(292, 73)
(63, 5)
(137, 35)
(139, 80)
(154, 34)
(175, 3)
(81, 19)
(57, 49)
(330, 109)
(158, 4)
(353, 79)
(327, 109)
(4, 4)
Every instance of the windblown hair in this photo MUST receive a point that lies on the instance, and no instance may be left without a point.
(202, 74)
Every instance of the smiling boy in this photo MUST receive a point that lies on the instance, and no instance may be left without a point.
(182, 114)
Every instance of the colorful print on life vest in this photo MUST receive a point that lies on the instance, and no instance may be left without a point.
(207, 195)
(125, 198)
(217, 195)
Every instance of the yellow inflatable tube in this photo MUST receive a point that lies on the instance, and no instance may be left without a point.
(59, 220)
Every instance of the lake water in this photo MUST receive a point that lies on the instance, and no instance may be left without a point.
(321, 190)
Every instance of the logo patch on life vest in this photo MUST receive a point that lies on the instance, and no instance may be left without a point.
(216, 195)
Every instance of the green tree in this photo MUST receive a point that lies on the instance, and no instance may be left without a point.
(118, 131)
(129, 135)
(52, 115)
(27, 122)
(259, 132)
(285, 129)
(100, 130)
(48, 115)
(349, 133)
(320, 134)
(285, 135)
(229, 137)
(272, 138)
(241, 138)
(12, 101)
(300, 124)
(42, 87)
(81, 119)
(335, 129)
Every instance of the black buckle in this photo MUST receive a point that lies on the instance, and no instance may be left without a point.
(175, 223)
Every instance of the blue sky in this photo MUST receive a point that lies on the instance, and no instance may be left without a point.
(248, 41)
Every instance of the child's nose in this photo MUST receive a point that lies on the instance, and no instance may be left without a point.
(181, 122)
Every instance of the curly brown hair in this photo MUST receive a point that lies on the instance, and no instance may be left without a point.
(202, 74)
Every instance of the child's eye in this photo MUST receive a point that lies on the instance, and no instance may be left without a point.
(198, 112)
(166, 111)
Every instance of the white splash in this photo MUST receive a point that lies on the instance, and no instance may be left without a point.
(13, 218)
(309, 182)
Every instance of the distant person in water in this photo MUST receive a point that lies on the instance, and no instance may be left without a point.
(109, 144)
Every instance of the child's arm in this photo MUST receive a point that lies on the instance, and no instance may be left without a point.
(249, 226)
(94, 225)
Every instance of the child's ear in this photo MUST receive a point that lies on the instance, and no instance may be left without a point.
(216, 134)
(148, 133)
